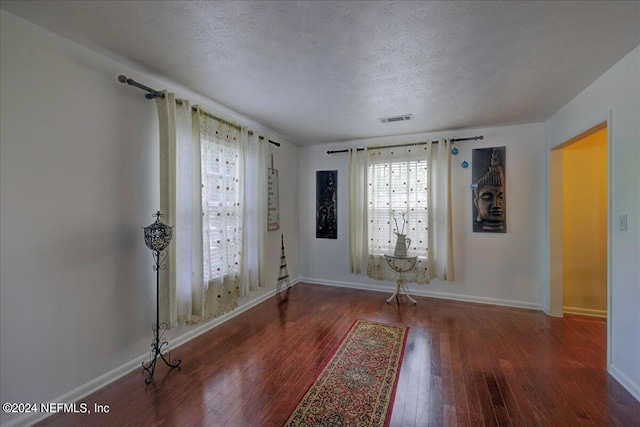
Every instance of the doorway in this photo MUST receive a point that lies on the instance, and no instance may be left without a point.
(579, 224)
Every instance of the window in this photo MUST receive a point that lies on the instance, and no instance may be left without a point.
(221, 207)
(399, 185)
(413, 178)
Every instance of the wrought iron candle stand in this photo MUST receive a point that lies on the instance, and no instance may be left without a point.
(157, 237)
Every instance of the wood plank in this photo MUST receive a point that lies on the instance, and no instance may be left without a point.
(465, 365)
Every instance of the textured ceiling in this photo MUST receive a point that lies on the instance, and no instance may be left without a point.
(327, 70)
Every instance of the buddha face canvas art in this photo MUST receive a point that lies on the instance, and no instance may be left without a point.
(489, 195)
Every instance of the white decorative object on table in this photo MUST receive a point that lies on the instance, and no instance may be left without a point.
(402, 242)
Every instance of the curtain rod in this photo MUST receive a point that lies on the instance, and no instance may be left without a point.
(152, 92)
(157, 94)
(474, 138)
(277, 144)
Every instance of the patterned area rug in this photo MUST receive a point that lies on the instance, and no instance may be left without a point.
(357, 385)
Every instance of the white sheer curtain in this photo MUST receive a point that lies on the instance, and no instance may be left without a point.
(413, 179)
(397, 183)
(177, 163)
(255, 218)
(440, 259)
(222, 214)
(202, 180)
(358, 235)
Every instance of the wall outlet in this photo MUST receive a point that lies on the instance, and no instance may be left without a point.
(622, 222)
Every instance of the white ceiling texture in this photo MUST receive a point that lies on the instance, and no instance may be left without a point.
(320, 71)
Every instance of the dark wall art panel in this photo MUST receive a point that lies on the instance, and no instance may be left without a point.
(327, 204)
(489, 195)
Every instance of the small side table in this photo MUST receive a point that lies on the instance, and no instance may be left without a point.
(401, 265)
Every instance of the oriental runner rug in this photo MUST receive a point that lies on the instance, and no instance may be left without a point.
(357, 384)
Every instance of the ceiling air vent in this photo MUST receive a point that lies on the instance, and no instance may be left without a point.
(401, 118)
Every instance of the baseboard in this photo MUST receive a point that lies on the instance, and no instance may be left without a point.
(585, 311)
(87, 389)
(427, 293)
(625, 381)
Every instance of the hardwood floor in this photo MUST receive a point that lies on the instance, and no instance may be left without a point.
(465, 364)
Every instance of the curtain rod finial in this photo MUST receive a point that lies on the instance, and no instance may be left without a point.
(122, 78)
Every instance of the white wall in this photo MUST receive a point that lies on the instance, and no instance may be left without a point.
(285, 160)
(78, 180)
(615, 95)
(493, 268)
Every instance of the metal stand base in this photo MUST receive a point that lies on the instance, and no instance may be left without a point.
(159, 348)
(401, 264)
(159, 345)
(401, 285)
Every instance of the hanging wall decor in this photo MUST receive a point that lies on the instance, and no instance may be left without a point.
(489, 195)
(273, 220)
(326, 204)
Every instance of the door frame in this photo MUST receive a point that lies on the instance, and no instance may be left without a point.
(553, 303)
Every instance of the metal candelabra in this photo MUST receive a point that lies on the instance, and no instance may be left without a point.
(157, 237)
